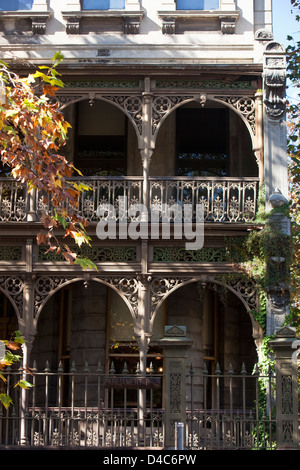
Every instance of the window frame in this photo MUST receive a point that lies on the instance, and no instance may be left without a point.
(192, 8)
(104, 9)
(16, 9)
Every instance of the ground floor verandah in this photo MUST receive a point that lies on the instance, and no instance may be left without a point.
(97, 383)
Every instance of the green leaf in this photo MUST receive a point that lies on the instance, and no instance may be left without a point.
(23, 384)
(3, 378)
(18, 337)
(5, 400)
(85, 263)
(57, 58)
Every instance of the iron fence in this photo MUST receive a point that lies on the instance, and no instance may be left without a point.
(238, 410)
(70, 409)
(91, 409)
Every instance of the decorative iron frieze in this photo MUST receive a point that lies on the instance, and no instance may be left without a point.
(245, 105)
(13, 287)
(45, 286)
(10, 253)
(131, 84)
(177, 254)
(162, 105)
(160, 288)
(95, 254)
(202, 84)
(132, 105)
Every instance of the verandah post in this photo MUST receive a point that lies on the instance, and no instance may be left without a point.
(175, 345)
(285, 350)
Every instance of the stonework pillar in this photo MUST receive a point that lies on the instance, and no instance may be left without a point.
(278, 295)
(175, 345)
(287, 432)
(275, 133)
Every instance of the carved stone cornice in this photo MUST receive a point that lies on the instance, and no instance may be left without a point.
(170, 18)
(38, 19)
(131, 19)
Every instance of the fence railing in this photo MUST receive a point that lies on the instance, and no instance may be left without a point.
(70, 409)
(237, 411)
(92, 409)
(223, 199)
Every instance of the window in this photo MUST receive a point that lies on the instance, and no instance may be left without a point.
(198, 151)
(103, 4)
(198, 4)
(11, 5)
(101, 140)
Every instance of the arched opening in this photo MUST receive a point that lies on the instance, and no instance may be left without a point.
(8, 318)
(102, 140)
(87, 327)
(209, 141)
(221, 332)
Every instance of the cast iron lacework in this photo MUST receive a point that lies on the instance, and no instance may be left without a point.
(102, 84)
(245, 105)
(44, 287)
(10, 253)
(13, 201)
(223, 200)
(103, 193)
(160, 84)
(132, 105)
(95, 254)
(160, 288)
(171, 254)
(13, 287)
(162, 105)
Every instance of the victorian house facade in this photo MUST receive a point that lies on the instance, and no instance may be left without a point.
(171, 102)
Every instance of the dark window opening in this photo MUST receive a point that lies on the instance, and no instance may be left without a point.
(201, 147)
(101, 155)
(101, 141)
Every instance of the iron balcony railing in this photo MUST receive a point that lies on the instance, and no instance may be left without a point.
(231, 200)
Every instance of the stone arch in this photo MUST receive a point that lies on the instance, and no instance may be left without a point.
(172, 285)
(41, 300)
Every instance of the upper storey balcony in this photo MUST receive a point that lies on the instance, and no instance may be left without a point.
(201, 155)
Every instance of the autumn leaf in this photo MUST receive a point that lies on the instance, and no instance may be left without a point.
(70, 256)
(32, 133)
(13, 345)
